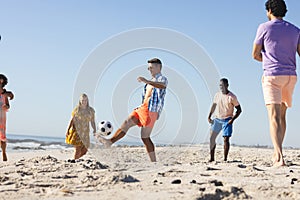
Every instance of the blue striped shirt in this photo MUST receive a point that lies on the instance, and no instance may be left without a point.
(157, 99)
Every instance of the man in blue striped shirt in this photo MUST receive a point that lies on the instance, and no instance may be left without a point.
(146, 115)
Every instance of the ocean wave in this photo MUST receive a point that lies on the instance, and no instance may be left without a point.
(33, 144)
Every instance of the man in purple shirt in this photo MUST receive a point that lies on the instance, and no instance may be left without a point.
(275, 45)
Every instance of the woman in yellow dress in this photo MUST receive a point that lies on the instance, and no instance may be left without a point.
(78, 132)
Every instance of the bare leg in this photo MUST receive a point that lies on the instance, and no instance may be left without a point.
(283, 128)
(152, 156)
(150, 148)
(3, 147)
(83, 151)
(121, 132)
(213, 136)
(274, 113)
(226, 147)
(117, 136)
(77, 153)
(283, 122)
(145, 134)
(149, 144)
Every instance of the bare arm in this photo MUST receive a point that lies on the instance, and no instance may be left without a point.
(10, 95)
(93, 125)
(159, 85)
(298, 50)
(212, 110)
(256, 52)
(236, 115)
(70, 125)
(6, 106)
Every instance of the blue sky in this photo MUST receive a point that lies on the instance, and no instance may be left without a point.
(45, 43)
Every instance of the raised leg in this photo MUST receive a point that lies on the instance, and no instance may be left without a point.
(119, 134)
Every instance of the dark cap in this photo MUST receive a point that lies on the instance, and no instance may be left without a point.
(154, 60)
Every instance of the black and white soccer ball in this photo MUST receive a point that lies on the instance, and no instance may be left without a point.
(105, 128)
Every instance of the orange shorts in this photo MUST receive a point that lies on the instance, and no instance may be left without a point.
(144, 116)
(145, 119)
(278, 89)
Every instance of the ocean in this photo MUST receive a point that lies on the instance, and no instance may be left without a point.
(30, 142)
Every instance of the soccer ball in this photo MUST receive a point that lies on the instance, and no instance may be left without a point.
(105, 128)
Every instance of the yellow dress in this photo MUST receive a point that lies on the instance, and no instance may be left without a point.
(79, 134)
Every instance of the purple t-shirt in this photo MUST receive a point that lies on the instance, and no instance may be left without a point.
(280, 40)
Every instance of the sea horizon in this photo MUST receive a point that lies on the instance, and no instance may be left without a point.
(17, 142)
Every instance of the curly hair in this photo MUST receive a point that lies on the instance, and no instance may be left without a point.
(4, 78)
(277, 7)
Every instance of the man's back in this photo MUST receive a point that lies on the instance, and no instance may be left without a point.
(280, 40)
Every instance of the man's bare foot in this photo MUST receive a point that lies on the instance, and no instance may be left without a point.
(106, 142)
(4, 156)
(277, 161)
(280, 163)
(274, 158)
(211, 160)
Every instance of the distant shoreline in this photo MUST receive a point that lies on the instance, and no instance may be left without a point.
(31, 142)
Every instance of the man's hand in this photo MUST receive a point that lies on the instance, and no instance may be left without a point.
(256, 52)
(142, 79)
(5, 106)
(237, 114)
(10, 95)
(231, 121)
(210, 120)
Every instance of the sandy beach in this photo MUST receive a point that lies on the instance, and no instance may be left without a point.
(125, 173)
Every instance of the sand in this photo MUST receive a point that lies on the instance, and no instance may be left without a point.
(126, 173)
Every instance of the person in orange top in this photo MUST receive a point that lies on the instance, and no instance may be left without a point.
(224, 103)
(4, 107)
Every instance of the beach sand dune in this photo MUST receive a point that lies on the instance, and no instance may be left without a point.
(125, 173)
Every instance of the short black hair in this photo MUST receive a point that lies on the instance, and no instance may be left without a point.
(2, 76)
(225, 81)
(277, 7)
(154, 60)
